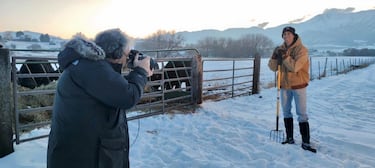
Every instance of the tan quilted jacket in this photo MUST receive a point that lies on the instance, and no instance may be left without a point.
(295, 66)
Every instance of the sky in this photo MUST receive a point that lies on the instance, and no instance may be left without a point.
(140, 18)
(235, 132)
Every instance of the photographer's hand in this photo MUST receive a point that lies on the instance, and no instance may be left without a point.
(144, 64)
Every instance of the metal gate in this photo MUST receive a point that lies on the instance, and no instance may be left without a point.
(32, 104)
(177, 86)
(173, 86)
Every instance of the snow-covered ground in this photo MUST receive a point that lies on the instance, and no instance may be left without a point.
(235, 132)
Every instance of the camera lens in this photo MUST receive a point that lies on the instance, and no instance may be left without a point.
(133, 53)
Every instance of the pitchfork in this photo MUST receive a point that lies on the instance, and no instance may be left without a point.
(277, 135)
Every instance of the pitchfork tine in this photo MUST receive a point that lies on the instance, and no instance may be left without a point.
(277, 135)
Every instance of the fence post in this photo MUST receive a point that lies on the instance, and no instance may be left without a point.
(233, 69)
(256, 74)
(319, 70)
(6, 133)
(197, 79)
(325, 68)
(337, 67)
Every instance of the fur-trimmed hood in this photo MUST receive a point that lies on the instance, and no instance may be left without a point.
(77, 48)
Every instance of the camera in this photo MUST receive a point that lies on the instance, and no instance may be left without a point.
(133, 53)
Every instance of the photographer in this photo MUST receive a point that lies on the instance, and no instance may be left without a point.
(292, 56)
(89, 127)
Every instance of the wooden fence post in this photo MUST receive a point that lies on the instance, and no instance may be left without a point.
(197, 79)
(6, 133)
(256, 74)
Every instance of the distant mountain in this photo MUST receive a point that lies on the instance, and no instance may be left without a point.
(334, 28)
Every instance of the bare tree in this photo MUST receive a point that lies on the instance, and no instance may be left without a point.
(257, 44)
(205, 46)
(79, 34)
(161, 40)
(247, 46)
(7, 36)
(19, 33)
(215, 47)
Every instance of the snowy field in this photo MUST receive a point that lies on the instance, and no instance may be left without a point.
(235, 132)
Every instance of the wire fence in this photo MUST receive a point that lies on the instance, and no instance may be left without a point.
(321, 67)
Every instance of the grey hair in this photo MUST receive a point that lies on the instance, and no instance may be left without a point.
(113, 42)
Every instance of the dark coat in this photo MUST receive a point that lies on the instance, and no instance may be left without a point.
(88, 128)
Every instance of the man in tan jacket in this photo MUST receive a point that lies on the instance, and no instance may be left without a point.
(293, 58)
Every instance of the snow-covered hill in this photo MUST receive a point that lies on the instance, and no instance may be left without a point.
(334, 28)
(9, 39)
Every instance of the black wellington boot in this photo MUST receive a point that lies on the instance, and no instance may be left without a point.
(304, 129)
(288, 122)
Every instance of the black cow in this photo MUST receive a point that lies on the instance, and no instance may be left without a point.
(173, 75)
(36, 66)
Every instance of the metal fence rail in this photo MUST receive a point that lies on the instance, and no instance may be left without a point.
(177, 86)
(228, 77)
(169, 91)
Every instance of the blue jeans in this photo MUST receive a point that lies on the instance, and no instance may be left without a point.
(299, 96)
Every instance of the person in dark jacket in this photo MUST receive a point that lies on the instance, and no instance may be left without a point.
(293, 57)
(89, 125)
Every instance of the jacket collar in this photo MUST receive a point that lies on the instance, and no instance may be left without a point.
(77, 48)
